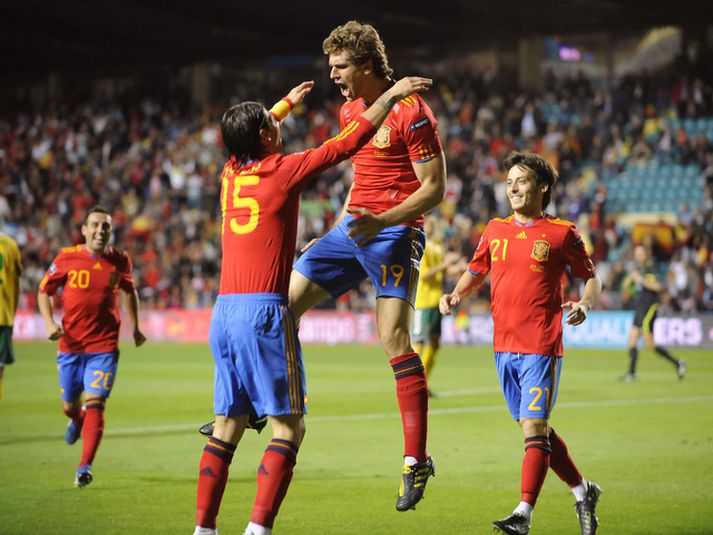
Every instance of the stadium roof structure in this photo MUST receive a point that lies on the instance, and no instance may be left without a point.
(80, 35)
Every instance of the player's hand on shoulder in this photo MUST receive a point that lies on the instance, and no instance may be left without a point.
(447, 303)
(577, 312)
(54, 332)
(139, 337)
(298, 93)
(309, 244)
(409, 85)
(365, 226)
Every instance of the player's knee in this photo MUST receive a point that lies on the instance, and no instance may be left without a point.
(300, 432)
(396, 341)
(290, 428)
(534, 427)
(435, 344)
(230, 429)
(71, 407)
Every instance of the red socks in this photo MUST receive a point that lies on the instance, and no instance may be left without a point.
(273, 478)
(412, 395)
(212, 477)
(534, 468)
(561, 463)
(92, 429)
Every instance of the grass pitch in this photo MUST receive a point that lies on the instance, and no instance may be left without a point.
(649, 445)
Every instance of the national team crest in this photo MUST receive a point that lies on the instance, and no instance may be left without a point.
(113, 279)
(382, 138)
(541, 251)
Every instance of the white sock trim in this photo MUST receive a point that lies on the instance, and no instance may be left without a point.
(257, 529)
(580, 491)
(524, 509)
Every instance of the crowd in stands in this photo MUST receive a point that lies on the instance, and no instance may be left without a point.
(155, 163)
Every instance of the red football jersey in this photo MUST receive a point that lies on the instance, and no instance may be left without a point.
(526, 264)
(383, 169)
(90, 284)
(260, 205)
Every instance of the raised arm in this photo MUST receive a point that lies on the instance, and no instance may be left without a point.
(353, 136)
(381, 107)
(297, 94)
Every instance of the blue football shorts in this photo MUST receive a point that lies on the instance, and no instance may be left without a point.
(93, 373)
(258, 358)
(391, 260)
(529, 382)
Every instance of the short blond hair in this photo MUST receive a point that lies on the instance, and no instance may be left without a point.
(362, 42)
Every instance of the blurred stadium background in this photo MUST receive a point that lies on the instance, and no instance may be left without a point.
(119, 103)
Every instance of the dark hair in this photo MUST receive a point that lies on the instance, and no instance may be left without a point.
(240, 127)
(543, 171)
(96, 209)
(362, 42)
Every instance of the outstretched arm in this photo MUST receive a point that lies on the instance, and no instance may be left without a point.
(381, 107)
(353, 136)
(297, 94)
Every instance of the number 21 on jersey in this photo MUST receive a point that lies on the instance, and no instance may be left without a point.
(496, 253)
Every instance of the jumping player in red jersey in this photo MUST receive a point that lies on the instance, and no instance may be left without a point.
(253, 338)
(90, 276)
(398, 176)
(526, 255)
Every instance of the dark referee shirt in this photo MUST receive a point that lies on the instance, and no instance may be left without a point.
(644, 296)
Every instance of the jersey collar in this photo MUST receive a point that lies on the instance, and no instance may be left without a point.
(529, 223)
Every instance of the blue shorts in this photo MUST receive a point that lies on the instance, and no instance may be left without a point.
(390, 260)
(258, 358)
(529, 382)
(93, 373)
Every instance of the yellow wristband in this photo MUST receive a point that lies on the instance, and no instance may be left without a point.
(282, 109)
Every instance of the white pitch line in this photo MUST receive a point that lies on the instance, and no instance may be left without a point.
(432, 412)
(467, 392)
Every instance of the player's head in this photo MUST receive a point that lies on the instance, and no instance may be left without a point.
(249, 131)
(357, 57)
(97, 229)
(640, 254)
(529, 182)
